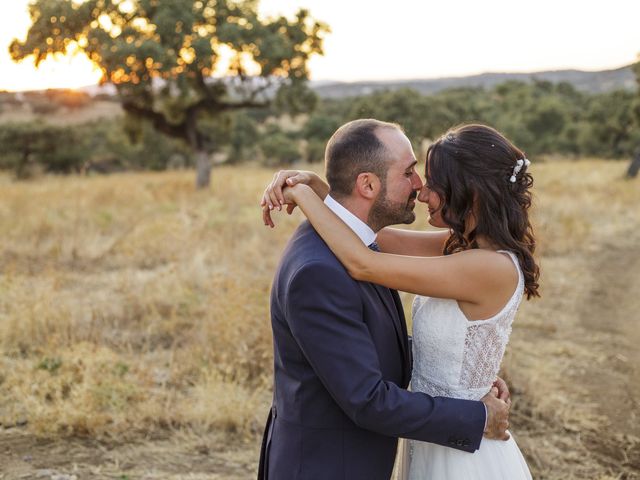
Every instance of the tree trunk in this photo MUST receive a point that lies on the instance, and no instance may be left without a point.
(21, 170)
(203, 164)
(203, 169)
(632, 172)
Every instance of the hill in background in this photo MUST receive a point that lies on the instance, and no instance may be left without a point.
(592, 82)
(621, 78)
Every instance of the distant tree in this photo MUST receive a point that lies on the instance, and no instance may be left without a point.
(109, 147)
(544, 120)
(613, 126)
(161, 55)
(634, 167)
(404, 106)
(244, 137)
(320, 127)
(26, 145)
(317, 131)
(279, 147)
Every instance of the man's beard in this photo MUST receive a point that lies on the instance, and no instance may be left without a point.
(385, 212)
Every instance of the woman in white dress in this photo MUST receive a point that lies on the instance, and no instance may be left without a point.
(468, 279)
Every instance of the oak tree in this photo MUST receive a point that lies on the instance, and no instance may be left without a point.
(161, 56)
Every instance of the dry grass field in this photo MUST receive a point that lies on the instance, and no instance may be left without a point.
(135, 338)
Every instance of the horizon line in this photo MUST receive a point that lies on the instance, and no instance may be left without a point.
(379, 80)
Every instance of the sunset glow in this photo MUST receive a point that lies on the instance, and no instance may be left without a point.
(410, 40)
(55, 72)
(62, 71)
(73, 70)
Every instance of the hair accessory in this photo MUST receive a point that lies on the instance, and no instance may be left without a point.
(518, 166)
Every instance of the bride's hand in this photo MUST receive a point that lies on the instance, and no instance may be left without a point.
(273, 196)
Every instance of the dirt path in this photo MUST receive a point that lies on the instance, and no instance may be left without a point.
(215, 457)
(611, 319)
(574, 364)
(616, 316)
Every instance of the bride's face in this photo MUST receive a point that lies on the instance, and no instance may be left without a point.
(434, 203)
(432, 199)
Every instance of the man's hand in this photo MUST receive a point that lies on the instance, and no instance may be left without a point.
(497, 416)
(503, 390)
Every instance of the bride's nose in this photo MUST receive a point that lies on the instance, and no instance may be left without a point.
(423, 195)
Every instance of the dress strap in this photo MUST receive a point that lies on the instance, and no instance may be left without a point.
(516, 261)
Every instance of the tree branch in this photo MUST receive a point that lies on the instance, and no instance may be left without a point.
(157, 119)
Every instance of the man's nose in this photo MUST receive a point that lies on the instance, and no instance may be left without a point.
(416, 182)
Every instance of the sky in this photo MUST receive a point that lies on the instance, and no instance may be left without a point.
(408, 39)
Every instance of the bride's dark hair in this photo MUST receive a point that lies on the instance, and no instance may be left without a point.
(474, 164)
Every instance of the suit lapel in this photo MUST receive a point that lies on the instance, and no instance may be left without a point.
(404, 336)
(391, 300)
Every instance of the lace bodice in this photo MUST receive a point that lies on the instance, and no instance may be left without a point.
(455, 357)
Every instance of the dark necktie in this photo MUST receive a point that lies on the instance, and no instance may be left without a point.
(374, 247)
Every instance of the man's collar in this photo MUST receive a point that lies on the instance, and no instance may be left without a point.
(361, 229)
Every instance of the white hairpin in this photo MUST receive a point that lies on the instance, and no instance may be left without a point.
(517, 167)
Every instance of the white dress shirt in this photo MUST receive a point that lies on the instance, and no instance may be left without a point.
(360, 228)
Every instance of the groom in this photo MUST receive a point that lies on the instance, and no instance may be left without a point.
(341, 351)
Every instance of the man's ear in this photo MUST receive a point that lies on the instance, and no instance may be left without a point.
(368, 185)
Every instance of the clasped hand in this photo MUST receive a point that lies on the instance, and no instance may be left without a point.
(277, 195)
(498, 403)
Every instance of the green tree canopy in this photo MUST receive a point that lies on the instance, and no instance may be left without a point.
(161, 56)
(56, 149)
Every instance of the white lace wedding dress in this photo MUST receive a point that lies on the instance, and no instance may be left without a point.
(455, 357)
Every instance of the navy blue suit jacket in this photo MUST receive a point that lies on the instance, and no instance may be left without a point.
(342, 364)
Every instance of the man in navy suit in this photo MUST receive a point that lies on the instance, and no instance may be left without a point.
(341, 352)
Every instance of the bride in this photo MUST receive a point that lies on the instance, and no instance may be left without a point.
(469, 279)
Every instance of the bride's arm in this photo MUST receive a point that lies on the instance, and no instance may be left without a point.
(390, 240)
(411, 242)
(274, 198)
(466, 276)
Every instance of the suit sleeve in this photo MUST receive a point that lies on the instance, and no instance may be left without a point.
(325, 315)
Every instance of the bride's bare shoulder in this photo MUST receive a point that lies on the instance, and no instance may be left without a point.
(496, 265)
